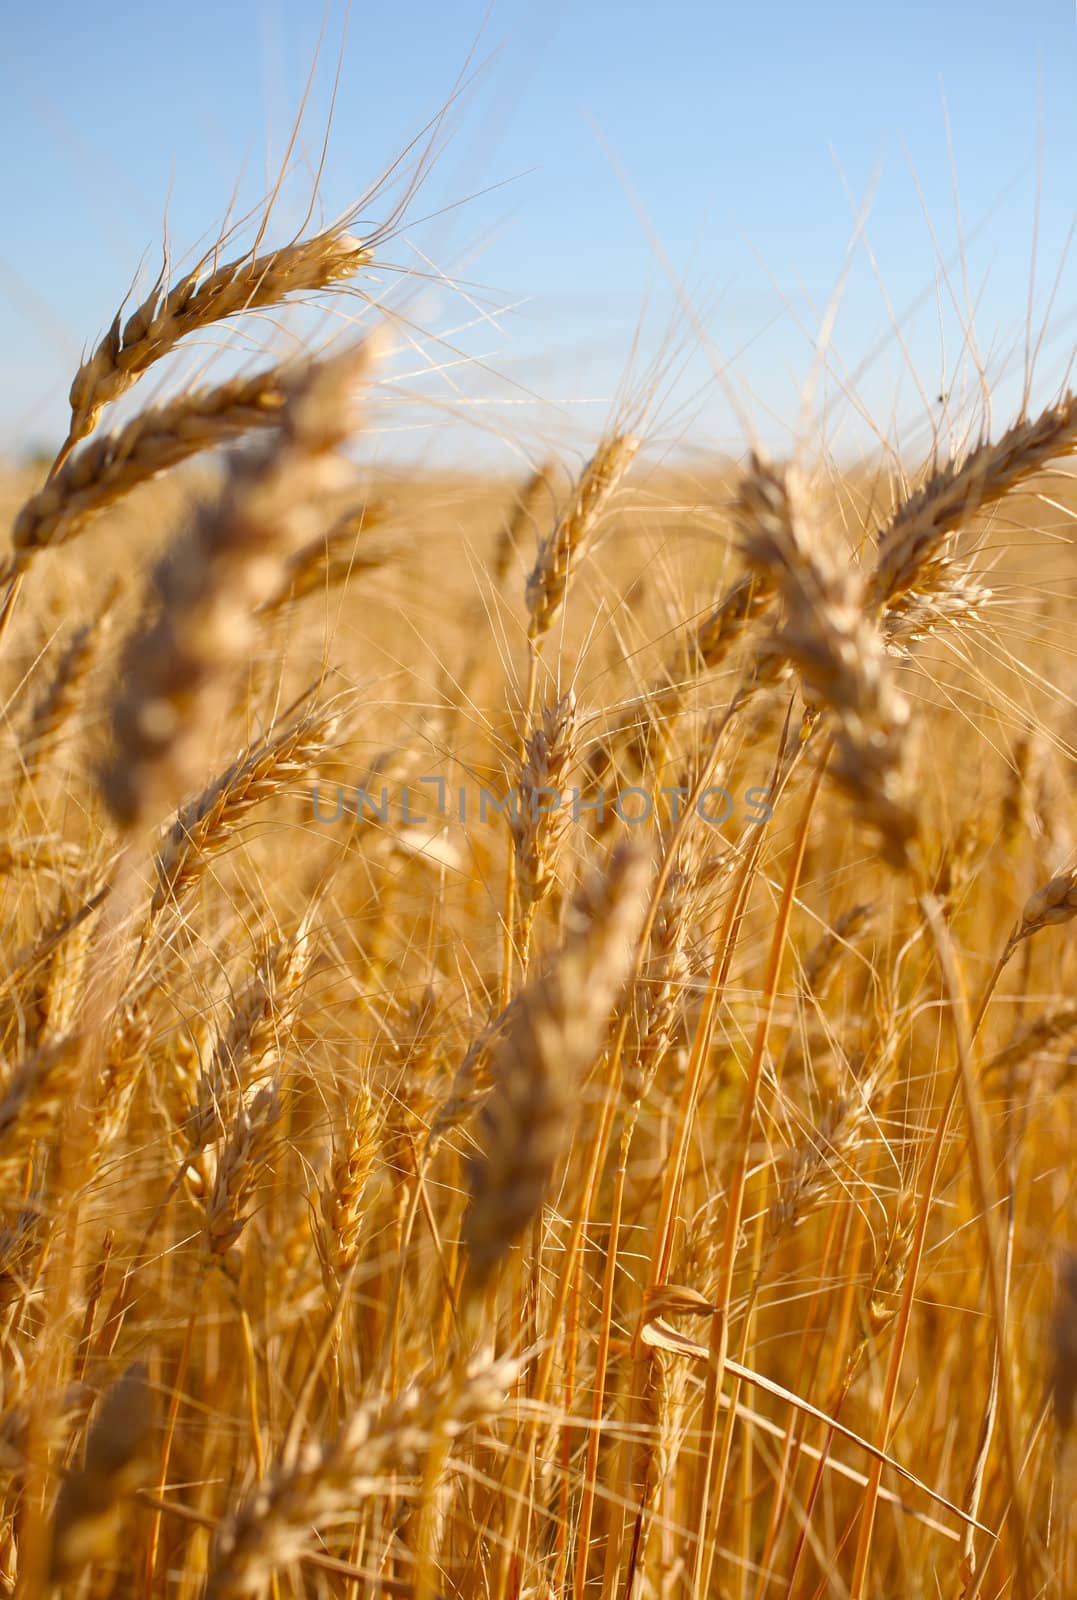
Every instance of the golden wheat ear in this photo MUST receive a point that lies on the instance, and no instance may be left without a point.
(206, 824)
(542, 821)
(105, 471)
(197, 301)
(380, 1440)
(567, 544)
(829, 636)
(208, 591)
(913, 545)
(556, 1030)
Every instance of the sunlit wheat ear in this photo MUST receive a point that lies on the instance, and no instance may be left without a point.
(914, 543)
(567, 544)
(840, 655)
(1055, 903)
(206, 824)
(249, 1050)
(126, 1055)
(64, 990)
(247, 1145)
(762, 514)
(327, 1483)
(883, 1289)
(55, 711)
(95, 1500)
(824, 1158)
(472, 1077)
(28, 963)
(112, 467)
(542, 818)
(207, 295)
(556, 1031)
(408, 1029)
(660, 988)
(339, 1223)
(34, 1104)
(209, 589)
(954, 599)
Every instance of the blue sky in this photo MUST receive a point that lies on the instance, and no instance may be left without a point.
(700, 167)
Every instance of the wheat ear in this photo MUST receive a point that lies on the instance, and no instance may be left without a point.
(327, 1483)
(114, 465)
(209, 590)
(556, 1030)
(566, 545)
(199, 299)
(205, 825)
(840, 655)
(913, 544)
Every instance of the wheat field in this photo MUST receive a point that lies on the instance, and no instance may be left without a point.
(537, 1021)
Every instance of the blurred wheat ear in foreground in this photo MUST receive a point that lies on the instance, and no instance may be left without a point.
(623, 1147)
